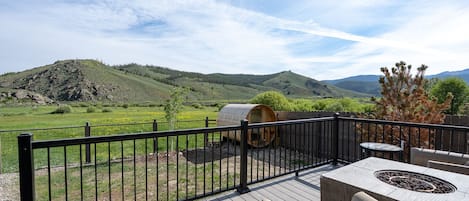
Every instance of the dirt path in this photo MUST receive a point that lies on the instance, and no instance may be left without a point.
(9, 187)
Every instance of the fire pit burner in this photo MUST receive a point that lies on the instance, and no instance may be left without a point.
(415, 181)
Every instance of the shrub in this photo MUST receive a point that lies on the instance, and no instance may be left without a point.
(197, 106)
(62, 109)
(107, 110)
(274, 99)
(220, 105)
(125, 105)
(335, 107)
(368, 108)
(90, 109)
(319, 105)
(302, 105)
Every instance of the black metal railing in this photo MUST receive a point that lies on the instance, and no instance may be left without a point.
(9, 157)
(353, 131)
(195, 163)
(185, 165)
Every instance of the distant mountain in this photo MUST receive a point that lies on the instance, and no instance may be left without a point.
(90, 80)
(369, 83)
(363, 78)
(463, 74)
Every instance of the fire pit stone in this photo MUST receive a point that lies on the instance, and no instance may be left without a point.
(343, 182)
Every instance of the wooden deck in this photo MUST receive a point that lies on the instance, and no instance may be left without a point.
(288, 187)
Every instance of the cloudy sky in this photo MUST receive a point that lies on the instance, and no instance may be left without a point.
(320, 39)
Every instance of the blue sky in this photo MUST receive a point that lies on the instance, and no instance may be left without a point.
(320, 39)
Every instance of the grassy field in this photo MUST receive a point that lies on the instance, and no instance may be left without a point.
(28, 117)
(125, 180)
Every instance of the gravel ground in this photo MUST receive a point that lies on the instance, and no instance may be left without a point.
(9, 187)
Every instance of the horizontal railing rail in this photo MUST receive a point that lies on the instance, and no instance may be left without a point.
(401, 123)
(134, 136)
(184, 166)
(100, 125)
(9, 157)
(406, 135)
(194, 163)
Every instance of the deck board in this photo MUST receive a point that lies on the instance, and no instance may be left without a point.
(288, 187)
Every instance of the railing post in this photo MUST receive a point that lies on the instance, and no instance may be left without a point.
(243, 177)
(335, 139)
(206, 134)
(155, 142)
(26, 166)
(87, 146)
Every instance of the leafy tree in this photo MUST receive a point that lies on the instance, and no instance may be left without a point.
(319, 105)
(301, 105)
(274, 99)
(456, 87)
(335, 107)
(174, 105)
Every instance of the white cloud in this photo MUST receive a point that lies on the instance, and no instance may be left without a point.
(208, 36)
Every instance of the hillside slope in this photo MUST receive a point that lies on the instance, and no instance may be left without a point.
(85, 80)
(90, 80)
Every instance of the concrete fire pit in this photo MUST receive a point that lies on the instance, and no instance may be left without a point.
(390, 180)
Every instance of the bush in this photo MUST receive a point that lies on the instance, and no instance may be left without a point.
(106, 110)
(368, 108)
(302, 105)
(125, 105)
(220, 105)
(197, 106)
(274, 99)
(82, 104)
(90, 109)
(319, 105)
(335, 107)
(63, 109)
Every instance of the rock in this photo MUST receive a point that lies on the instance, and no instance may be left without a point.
(24, 95)
(21, 94)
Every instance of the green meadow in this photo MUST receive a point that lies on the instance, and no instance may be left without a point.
(103, 123)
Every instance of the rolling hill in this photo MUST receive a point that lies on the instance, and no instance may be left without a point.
(369, 83)
(90, 80)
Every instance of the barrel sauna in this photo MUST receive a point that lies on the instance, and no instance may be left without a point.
(232, 114)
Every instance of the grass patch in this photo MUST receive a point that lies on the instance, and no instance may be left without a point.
(157, 177)
(40, 117)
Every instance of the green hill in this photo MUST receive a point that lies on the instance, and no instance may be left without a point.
(90, 80)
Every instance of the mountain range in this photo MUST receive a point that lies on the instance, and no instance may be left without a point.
(368, 84)
(91, 80)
